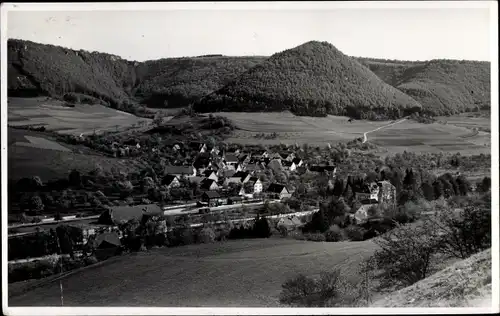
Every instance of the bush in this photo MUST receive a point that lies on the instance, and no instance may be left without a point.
(206, 235)
(334, 233)
(355, 233)
(90, 260)
(406, 254)
(30, 270)
(330, 290)
(465, 233)
(315, 237)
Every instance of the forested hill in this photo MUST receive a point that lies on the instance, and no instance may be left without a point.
(314, 79)
(442, 86)
(39, 69)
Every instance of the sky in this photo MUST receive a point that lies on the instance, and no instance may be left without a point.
(405, 34)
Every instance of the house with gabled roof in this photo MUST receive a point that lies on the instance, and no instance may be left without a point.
(288, 165)
(230, 159)
(196, 180)
(277, 191)
(298, 162)
(209, 185)
(287, 156)
(171, 181)
(213, 198)
(114, 215)
(367, 192)
(252, 168)
(256, 186)
(261, 154)
(211, 174)
(239, 177)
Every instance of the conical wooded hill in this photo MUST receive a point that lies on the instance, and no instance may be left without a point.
(311, 79)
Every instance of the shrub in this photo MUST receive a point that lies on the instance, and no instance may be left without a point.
(206, 235)
(464, 233)
(334, 233)
(30, 270)
(330, 290)
(315, 237)
(406, 253)
(90, 260)
(355, 233)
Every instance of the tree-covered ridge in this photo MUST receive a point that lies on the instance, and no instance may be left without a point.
(183, 80)
(39, 69)
(442, 86)
(312, 79)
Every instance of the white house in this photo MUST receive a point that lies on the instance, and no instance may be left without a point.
(211, 174)
(171, 181)
(277, 191)
(361, 214)
(368, 192)
(256, 187)
(298, 162)
(209, 185)
(288, 165)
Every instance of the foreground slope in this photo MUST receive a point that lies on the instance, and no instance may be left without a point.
(466, 283)
(38, 69)
(243, 273)
(313, 79)
(442, 87)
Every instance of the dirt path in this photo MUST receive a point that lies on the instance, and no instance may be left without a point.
(365, 138)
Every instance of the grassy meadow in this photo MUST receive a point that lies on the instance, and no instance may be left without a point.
(243, 273)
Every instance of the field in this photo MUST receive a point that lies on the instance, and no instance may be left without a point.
(295, 129)
(245, 273)
(407, 135)
(81, 119)
(26, 161)
(436, 137)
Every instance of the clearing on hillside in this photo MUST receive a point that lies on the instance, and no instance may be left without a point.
(233, 274)
(81, 119)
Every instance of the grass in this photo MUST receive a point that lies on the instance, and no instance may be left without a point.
(82, 118)
(296, 129)
(436, 137)
(53, 164)
(42, 143)
(466, 283)
(234, 273)
(408, 135)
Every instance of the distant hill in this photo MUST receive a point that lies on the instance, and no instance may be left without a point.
(181, 81)
(39, 69)
(311, 79)
(443, 87)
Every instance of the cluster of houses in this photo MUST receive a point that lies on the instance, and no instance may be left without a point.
(371, 195)
(213, 171)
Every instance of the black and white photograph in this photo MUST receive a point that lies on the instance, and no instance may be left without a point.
(250, 158)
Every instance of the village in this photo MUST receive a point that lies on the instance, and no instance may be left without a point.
(230, 186)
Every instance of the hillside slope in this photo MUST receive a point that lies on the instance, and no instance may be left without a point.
(466, 283)
(38, 69)
(315, 79)
(442, 87)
